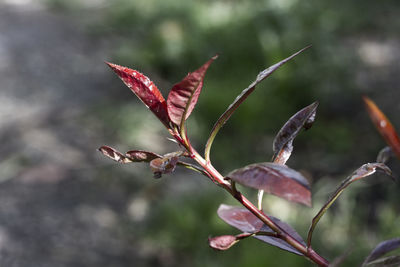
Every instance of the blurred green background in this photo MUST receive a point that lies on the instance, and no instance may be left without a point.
(64, 204)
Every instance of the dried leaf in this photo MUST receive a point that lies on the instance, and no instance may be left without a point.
(283, 142)
(245, 221)
(145, 90)
(166, 164)
(382, 248)
(383, 125)
(274, 179)
(114, 154)
(364, 171)
(184, 95)
(240, 98)
(141, 155)
(223, 242)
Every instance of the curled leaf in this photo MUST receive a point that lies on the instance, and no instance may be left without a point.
(245, 221)
(166, 164)
(381, 249)
(141, 155)
(184, 95)
(364, 171)
(383, 125)
(145, 90)
(384, 155)
(223, 242)
(274, 179)
(390, 261)
(240, 98)
(114, 154)
(283, 142)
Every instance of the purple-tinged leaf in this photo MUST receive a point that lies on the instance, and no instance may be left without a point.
(391, 261)
(384, 155)
(283, 142)
(274, 179)
(141, 155)
(245, 221)
(114, 154)
(382, 123)
(364, 171)
(184, 95)
(240, 98)
(166, 164)
(223, 242)
(145, 90)
(382, 248)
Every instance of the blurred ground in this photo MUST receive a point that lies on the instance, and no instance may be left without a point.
(63, 204)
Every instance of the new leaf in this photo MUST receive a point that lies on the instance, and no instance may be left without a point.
(184, 95)
(145, 90)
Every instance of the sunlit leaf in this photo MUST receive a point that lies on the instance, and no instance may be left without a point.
(114, 154)
(245, 221)
(283, 142)
(184, 95)
(145, 90)
(364, 171)
(274, 179)
(240, 98)
(383, 248)
(383, 125)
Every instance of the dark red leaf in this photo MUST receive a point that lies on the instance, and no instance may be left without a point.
(145, 89)
(141, 155)
(240, 98)
(114, 154)
(382, 248)
(283, 142)
(274, 179)
(184, 95)
(223, 242)
(383, 125)
(245, 221)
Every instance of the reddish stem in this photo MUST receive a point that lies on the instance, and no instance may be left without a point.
(217, 178)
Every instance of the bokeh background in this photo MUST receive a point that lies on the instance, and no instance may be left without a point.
(64, 204)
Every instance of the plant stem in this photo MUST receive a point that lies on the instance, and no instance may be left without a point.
(217, 178)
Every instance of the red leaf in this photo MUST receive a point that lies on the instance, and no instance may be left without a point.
(245, 221)
(145, 89)
(283, 142)
(222, 242)
(383, 125)
(184, 95)
(382, 248)
(274, 179)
